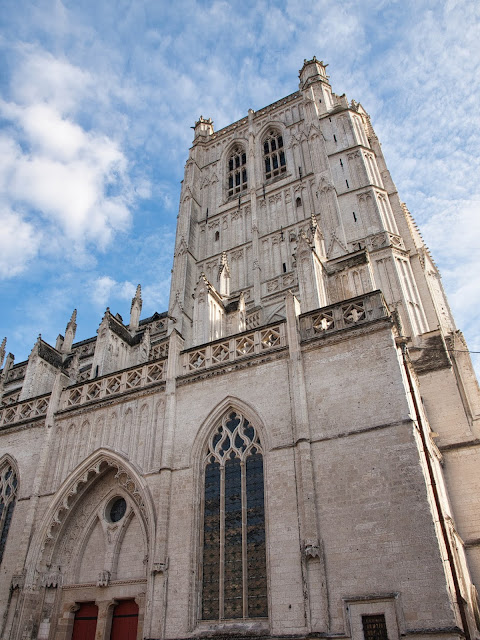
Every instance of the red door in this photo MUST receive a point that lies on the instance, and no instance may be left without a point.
(125, 621)
(85, 623)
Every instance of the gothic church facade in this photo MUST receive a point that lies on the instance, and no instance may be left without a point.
(291, 451)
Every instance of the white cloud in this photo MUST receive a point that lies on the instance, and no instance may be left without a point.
(19, 243)
(73, 181)
(105, 289)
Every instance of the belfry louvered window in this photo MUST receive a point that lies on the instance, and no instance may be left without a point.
(237, 171)
(274, 155)
(8, 496)
(234, 572)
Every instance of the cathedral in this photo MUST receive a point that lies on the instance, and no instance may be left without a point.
(290, 451)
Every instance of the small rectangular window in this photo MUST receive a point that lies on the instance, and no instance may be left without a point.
(237, 179)
(282, 159)
(230, 182)
(244, 158)
(274, 144)
(265, 148)
(280, 141)
(374, 627)
(275, 161)
(230, 164)
(267, 165)
(244, 175)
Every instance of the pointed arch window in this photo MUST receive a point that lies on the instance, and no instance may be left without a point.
(274, 155)
(8, 496)
(234, 577)
(237, 171)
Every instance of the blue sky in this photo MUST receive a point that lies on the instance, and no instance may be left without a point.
(96, 103)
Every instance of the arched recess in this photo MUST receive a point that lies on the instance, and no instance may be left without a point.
(9, 489)
(237, 428)
(77, 495)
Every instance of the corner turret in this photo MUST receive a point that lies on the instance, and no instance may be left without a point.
(203, 128)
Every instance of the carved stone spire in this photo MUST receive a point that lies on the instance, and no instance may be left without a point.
(135, 309)
(224, 276)
(2, 350)
(70, 333)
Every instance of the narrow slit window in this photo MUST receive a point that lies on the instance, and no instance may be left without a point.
(217, 235)
(298, 202)
(284, 268)
(274, 155)
(354, 216)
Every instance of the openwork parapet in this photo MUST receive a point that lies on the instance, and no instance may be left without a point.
(343, 315)
(114, 384)
(239, 346)
(26, 410)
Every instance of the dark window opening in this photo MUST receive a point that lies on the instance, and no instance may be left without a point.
(237, 176)
(298, 202)
(117, 510)
(217, 235)
(284, 268)
(274, 155)
(8, 496)
(354, 216)
(374, 627)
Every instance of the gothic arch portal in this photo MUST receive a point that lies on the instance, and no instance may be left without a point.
(80, 510)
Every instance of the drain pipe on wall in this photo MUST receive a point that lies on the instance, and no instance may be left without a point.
(438, 505)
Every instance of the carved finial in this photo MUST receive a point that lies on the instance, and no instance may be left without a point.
(2, 350)
(70, 331)
(224, 275)
(135, 309)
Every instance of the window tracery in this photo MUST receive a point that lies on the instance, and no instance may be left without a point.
(274, 155)
(8, 496)
(237, 171)
(234, 581)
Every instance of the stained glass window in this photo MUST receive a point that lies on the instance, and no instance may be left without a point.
(234, 579)
(8, 495)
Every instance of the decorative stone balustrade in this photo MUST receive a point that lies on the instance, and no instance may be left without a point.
(343, 315)
(239, 346)
(99, 388)
(10, 398)
(26, 410)
(159, 350)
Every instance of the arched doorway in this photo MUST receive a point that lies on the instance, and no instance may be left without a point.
(125, 621)
(85, 623)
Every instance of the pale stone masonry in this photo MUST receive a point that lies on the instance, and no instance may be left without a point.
(292, 450)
